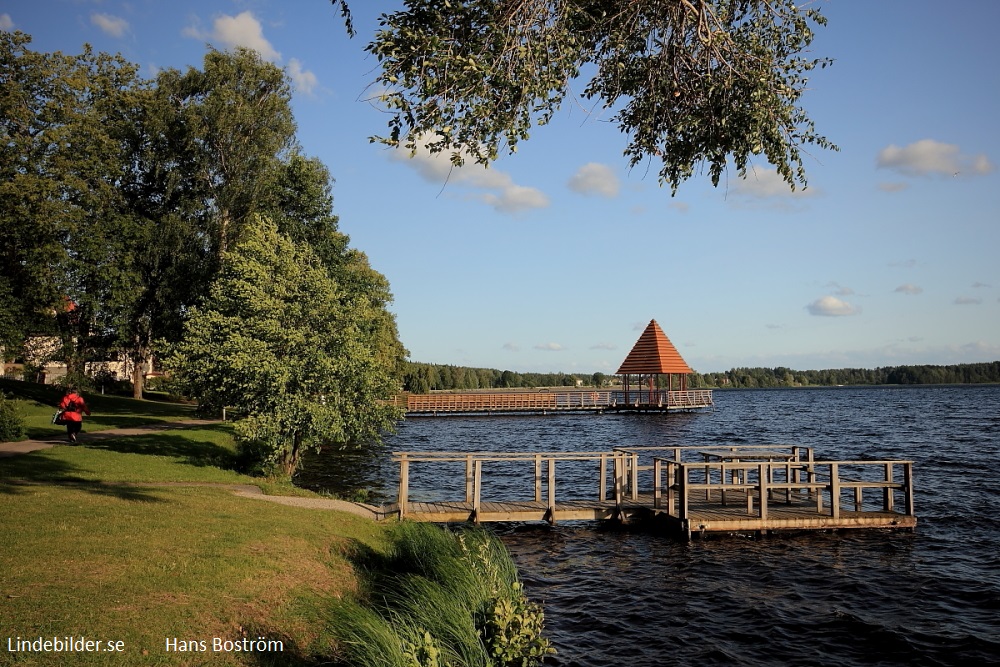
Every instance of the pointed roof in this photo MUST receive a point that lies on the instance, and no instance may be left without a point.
(653, 353)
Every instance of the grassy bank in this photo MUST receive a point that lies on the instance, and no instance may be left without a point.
(38, 402)
(135, 542)
(87, 551)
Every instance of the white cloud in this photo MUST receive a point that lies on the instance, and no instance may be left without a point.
(679, 206)
(549, 347)
(303, 80)
(893, 187)
(767, 183)
(927, 157)
(595, 179)
(511, 347)
(979, 285)
(502, 193)
(909, 288)
(831, 306)
(241, 30)
(967, 301)
(110, 25)
(6, 22)
(604, 346)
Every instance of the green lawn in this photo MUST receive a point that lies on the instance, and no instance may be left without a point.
(38, 403)
(88, 551)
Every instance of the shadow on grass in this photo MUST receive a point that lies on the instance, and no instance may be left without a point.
(290, 653)
(19, 474)
(173, 444)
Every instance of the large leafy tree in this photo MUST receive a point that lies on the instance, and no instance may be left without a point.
(691, 83)
(280, 340)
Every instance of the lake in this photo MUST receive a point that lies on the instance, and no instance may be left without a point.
(624, 596)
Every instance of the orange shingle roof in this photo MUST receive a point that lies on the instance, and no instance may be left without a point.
(653, 353)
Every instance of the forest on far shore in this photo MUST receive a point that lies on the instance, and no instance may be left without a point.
(421, 378)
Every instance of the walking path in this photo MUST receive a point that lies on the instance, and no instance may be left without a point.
(243, 490)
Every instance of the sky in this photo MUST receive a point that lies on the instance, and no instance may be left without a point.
(555, 259)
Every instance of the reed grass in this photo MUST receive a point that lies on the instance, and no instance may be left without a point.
(439, 598)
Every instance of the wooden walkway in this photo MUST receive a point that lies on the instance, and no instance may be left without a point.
(690, 490)
(544, 402)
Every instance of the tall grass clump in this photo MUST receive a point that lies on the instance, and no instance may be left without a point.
(11, 419)
(441, 599)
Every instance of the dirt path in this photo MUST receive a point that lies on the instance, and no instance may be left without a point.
(242, 490)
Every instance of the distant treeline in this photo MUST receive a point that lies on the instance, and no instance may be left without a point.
(421, 378)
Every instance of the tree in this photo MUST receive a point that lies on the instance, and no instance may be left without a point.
(275, 340)
(691, 83)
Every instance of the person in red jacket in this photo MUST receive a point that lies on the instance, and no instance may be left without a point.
(73, 407)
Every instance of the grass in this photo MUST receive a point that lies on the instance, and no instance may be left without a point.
(38, 402)
(89, 551)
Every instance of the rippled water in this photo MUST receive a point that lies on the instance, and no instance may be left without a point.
(620, 596)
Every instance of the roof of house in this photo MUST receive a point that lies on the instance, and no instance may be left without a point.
(653, 353)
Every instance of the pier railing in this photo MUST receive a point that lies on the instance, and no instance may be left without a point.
(542, 464)
(683, 483)
(545, 401)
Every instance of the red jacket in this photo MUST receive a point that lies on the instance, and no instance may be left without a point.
(73, 407)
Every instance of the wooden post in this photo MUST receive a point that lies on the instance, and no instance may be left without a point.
(657, 465)
(763, 479)
(858, 498)
(887, 492)
(835, 490)
(478, 490)
(635, 476)
(672, 472)
(552, 491)
(404, 485)
(683, 493)
(468, 478)
(619, 465)
(538, 478)
(602, 484)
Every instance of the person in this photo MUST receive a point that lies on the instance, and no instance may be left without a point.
(73, 407)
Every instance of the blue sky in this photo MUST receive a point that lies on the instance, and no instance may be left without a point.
(556, 258)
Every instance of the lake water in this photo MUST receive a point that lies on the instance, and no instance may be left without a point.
(622, 596)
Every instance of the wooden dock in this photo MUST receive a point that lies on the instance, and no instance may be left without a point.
(545, 402)
(690, 490)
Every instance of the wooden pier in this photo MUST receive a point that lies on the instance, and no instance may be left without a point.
(691, 490)
(545, 402)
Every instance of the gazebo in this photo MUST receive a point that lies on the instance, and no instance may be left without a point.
(652, 355)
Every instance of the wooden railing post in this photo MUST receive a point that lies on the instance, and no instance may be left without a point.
(477, 490)
(657, 492)
(538, 478)
(602, 484)
(552, 491)
(619, 475)
(468, 478)
(887, 500)
(672, 469)
(635, 476)
(682, 492)
(404, 485)
(835, 490)
(763, 480)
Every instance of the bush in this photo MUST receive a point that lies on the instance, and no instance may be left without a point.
(11, 419)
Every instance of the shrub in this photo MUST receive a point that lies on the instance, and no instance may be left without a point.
(11, 419)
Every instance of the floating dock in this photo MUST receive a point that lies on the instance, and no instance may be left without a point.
(690, 490)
